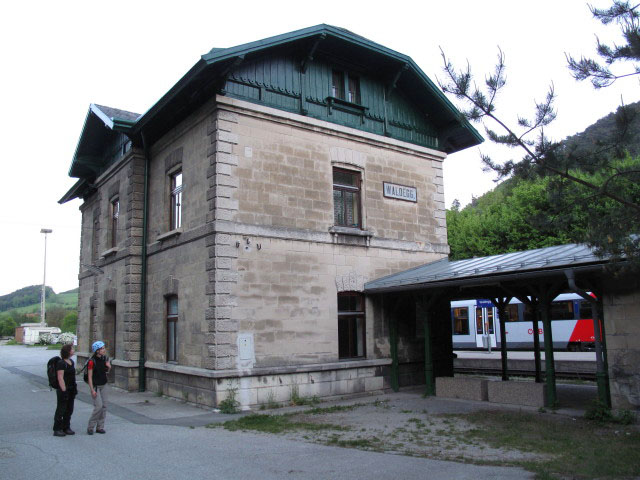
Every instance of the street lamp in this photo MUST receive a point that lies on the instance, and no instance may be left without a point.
(43, 307)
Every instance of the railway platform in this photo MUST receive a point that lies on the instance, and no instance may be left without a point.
(572, 397)
(579, 365)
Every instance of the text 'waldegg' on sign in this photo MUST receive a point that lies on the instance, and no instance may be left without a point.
(400, 192)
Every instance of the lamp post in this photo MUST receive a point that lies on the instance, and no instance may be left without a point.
(43, 307)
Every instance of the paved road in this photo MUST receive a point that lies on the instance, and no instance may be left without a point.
(151, 437)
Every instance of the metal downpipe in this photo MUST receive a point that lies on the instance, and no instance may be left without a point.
(143, 274)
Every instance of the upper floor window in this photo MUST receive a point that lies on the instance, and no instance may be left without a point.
(345, 86)
(346, 198)
(114, 214)
(176, 201)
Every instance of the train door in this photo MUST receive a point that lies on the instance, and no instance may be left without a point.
(485, 323)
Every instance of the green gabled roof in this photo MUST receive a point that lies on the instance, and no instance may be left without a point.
(175, 104)
(207, 76)
(100, 126)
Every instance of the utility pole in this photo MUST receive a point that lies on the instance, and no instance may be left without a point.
(43, 307)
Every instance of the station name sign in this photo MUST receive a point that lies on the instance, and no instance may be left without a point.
(400, 192)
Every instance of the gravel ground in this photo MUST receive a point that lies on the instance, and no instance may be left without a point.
(403, 423)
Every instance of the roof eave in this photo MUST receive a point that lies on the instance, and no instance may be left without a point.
(167, 97)
(488, 279)
(218, 56)
(75, 191)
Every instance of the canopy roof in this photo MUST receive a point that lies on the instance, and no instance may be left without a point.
(523, 265)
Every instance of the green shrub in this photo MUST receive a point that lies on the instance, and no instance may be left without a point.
(230, 404)
(69, 322)
(7, 326)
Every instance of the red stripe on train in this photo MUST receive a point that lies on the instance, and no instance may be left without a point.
(583, 331)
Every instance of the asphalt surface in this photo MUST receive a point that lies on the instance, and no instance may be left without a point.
(160, 438)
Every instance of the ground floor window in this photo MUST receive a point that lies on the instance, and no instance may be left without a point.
(351, 325)
(172, 320)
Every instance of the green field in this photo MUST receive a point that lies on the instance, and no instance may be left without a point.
(68, 301)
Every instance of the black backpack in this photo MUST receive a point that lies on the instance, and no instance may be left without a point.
(85, 376)
(52, 372)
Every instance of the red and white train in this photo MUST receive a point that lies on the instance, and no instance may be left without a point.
(473, 320)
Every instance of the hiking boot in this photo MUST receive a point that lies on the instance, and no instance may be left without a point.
(59, 433)
(100, 430)
(68, 431)
(89, 432)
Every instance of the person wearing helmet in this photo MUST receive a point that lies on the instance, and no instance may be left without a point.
(98, 367)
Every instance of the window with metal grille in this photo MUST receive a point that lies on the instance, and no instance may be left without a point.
(114, 214)
(172, 321)
(94, 240)
(346, 198)
(351, 325)
(176, 201)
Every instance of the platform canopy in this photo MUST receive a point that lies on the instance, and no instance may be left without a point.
(484, 275)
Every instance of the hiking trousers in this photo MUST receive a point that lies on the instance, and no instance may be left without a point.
(99, 408)
(64, 410)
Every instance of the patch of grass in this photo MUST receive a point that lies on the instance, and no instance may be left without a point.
(417, 422)
(382, 404)
(573, 447)
(12, 342)
(56, 346)
(271, 401)
(297, 400)
(364, 443)
(276, 424)
(229, 405)
(599, 412)
(334, 409)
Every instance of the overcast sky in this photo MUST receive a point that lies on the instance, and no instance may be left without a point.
(58, 57)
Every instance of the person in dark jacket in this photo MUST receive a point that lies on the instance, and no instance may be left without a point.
(65, 393)
(98, 367)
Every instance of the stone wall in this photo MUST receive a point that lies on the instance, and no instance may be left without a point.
(110, 275)
(622, 330)
(257, 264)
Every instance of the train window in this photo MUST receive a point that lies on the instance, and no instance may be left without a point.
(585, 310)
(460, 316)
(490, 320)
(511, 313)
(528, 313)
(479, 321)
(562, 310)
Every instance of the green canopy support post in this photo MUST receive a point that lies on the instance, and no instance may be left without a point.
(605, 360)
(393, 340)
(430, 380)
(426, 304)
(602, 369)
(536, 341)
(597, 312)
(550, 369)
(501, 304)
(545, 294)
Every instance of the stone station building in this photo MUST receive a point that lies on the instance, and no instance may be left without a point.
(228, 232)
